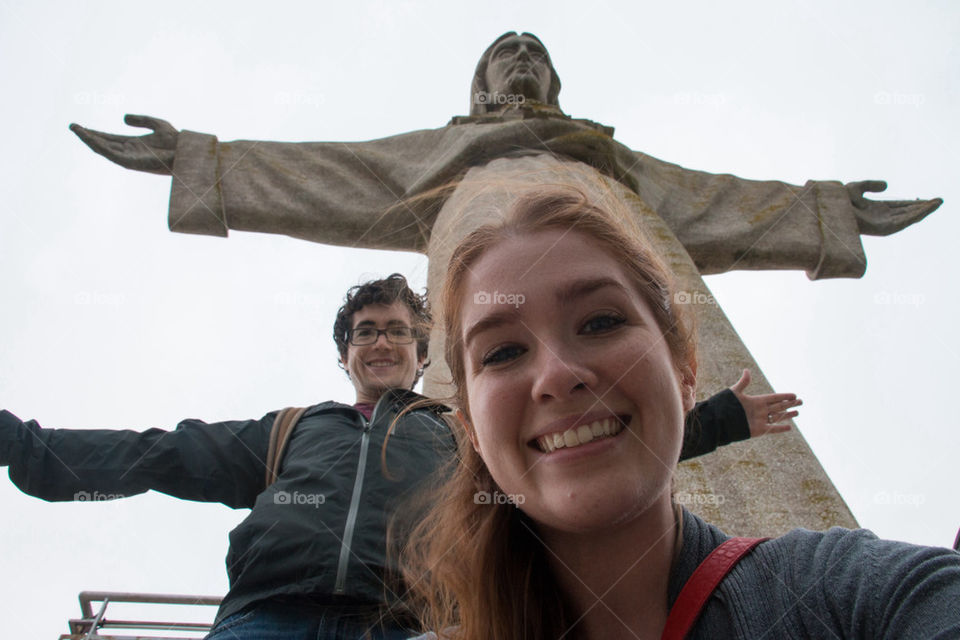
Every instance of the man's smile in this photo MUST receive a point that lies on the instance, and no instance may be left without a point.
(381, 363)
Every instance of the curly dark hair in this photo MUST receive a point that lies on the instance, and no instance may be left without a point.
(391, 289)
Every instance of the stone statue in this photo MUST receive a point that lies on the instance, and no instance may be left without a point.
(424, 190)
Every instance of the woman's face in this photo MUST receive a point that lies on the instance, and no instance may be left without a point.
(575, 403)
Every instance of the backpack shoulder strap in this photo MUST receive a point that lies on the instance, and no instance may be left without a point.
(702, 584)
(283, 426)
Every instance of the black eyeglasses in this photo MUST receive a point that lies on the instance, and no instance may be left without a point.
(368, 335)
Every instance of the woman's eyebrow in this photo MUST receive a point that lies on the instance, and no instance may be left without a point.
(490, 321)
(586, 286)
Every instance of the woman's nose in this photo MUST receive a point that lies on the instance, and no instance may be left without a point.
(560, 374)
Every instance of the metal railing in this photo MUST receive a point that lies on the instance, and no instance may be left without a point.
(89, 627)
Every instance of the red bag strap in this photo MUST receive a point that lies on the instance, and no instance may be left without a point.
(702, 584)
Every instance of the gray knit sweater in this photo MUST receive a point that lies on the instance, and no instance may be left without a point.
(833, 584)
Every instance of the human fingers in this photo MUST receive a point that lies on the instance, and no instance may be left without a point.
(783, 405)
(778, 417)
(742, 383)
(773, 398)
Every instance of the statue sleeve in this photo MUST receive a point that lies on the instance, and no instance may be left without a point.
(728, 223)
(348, 194)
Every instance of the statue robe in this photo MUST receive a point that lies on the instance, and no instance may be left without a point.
(357, 194)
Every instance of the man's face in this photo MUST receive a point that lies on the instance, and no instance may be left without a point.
(382, 365)
(519, 65)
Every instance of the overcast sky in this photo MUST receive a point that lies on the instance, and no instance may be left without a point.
(110, 320)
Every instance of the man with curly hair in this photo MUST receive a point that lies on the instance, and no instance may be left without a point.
(377, 365)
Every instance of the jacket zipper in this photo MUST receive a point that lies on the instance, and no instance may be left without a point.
(345, 545)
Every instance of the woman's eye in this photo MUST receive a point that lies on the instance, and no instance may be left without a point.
(603, 322)
(502, 354)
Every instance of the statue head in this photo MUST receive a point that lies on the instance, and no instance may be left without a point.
(513, 66)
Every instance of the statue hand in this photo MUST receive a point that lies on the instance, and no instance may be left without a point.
(153, 152)
(883, 217)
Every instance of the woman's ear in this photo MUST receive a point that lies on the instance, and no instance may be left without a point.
(468, 429)
(688, 385)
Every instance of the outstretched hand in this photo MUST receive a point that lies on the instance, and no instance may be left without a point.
(153, 152)
(769, 413)
(883, 217)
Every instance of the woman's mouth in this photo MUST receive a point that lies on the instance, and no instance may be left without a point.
(581, 434)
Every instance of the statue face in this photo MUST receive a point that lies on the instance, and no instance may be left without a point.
(519, 65)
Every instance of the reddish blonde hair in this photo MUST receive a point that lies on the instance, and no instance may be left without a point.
(479, 567)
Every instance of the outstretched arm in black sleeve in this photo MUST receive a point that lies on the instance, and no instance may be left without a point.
(217, 462)
(732, 415)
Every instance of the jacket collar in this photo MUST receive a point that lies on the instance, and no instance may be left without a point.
(392, 399)
(399, 398)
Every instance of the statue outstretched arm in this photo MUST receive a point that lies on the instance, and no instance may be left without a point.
(726, 222)
(153, 152)
(349, 194)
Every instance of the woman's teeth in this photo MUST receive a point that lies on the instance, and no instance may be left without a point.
(579, 435)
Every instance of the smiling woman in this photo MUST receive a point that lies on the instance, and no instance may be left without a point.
(572, 408)
(556, 365)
